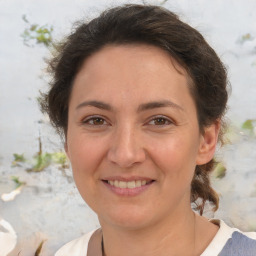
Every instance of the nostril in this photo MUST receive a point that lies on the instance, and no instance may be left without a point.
(126, 157)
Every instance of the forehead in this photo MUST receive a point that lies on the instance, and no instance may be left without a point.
(132, 52)
(125, 72)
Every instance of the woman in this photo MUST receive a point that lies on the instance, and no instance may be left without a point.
(140, 98)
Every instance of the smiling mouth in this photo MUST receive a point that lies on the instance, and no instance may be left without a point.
(128, 184)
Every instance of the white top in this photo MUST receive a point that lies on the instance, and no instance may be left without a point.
(226, 242)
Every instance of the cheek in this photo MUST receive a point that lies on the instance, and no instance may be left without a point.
(177, 150)
(85, 155)
(84, 159)
(176, 158)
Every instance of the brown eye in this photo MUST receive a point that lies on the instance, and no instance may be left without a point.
(160, 121)
(98, 121)
(95, 121)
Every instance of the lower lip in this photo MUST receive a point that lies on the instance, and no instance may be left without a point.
(128, 191)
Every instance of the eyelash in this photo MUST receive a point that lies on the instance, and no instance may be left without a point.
(154, 119)
(166, 120)
(94, 118)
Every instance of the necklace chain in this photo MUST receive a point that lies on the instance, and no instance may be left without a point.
(102, 247)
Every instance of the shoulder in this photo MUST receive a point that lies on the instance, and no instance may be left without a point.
(76, 247)
(231, 241)
(240, 244)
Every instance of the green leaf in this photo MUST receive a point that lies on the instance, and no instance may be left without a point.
(59, 158)
(33, 27)
(219, 171)
(17, 181)
(37, 34)
(42, 161)
(249, 125)
(247, 37)
(19, 157)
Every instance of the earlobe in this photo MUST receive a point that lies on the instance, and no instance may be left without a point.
(208, 143)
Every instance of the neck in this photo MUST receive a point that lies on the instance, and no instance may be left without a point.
(178, 239)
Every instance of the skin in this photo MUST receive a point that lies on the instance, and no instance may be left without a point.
(117, 131)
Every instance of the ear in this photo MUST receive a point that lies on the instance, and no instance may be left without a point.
(208, 143)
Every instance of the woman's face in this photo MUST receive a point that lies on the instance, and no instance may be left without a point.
(133, 137)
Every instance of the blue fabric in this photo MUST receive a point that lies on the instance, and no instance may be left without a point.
(239, 245)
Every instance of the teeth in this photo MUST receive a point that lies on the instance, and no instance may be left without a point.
(129, 184)
(122, 184)
(116, 183)
(138, 183)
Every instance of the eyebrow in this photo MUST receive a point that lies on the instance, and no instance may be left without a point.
(94, 103)
(141, 108)
(158, 104)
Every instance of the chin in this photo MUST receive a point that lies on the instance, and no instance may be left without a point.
(127, 219)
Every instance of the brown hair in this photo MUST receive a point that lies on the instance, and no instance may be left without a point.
(156, 26)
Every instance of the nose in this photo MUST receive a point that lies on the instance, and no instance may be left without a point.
(126, 148)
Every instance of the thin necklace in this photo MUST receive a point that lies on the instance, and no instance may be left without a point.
(194, 233)
(102, 247)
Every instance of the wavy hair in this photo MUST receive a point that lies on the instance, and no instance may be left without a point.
(152, 25)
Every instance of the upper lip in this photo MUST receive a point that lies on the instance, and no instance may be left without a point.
(127, 179)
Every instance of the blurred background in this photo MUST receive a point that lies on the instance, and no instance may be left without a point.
(38, 196)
